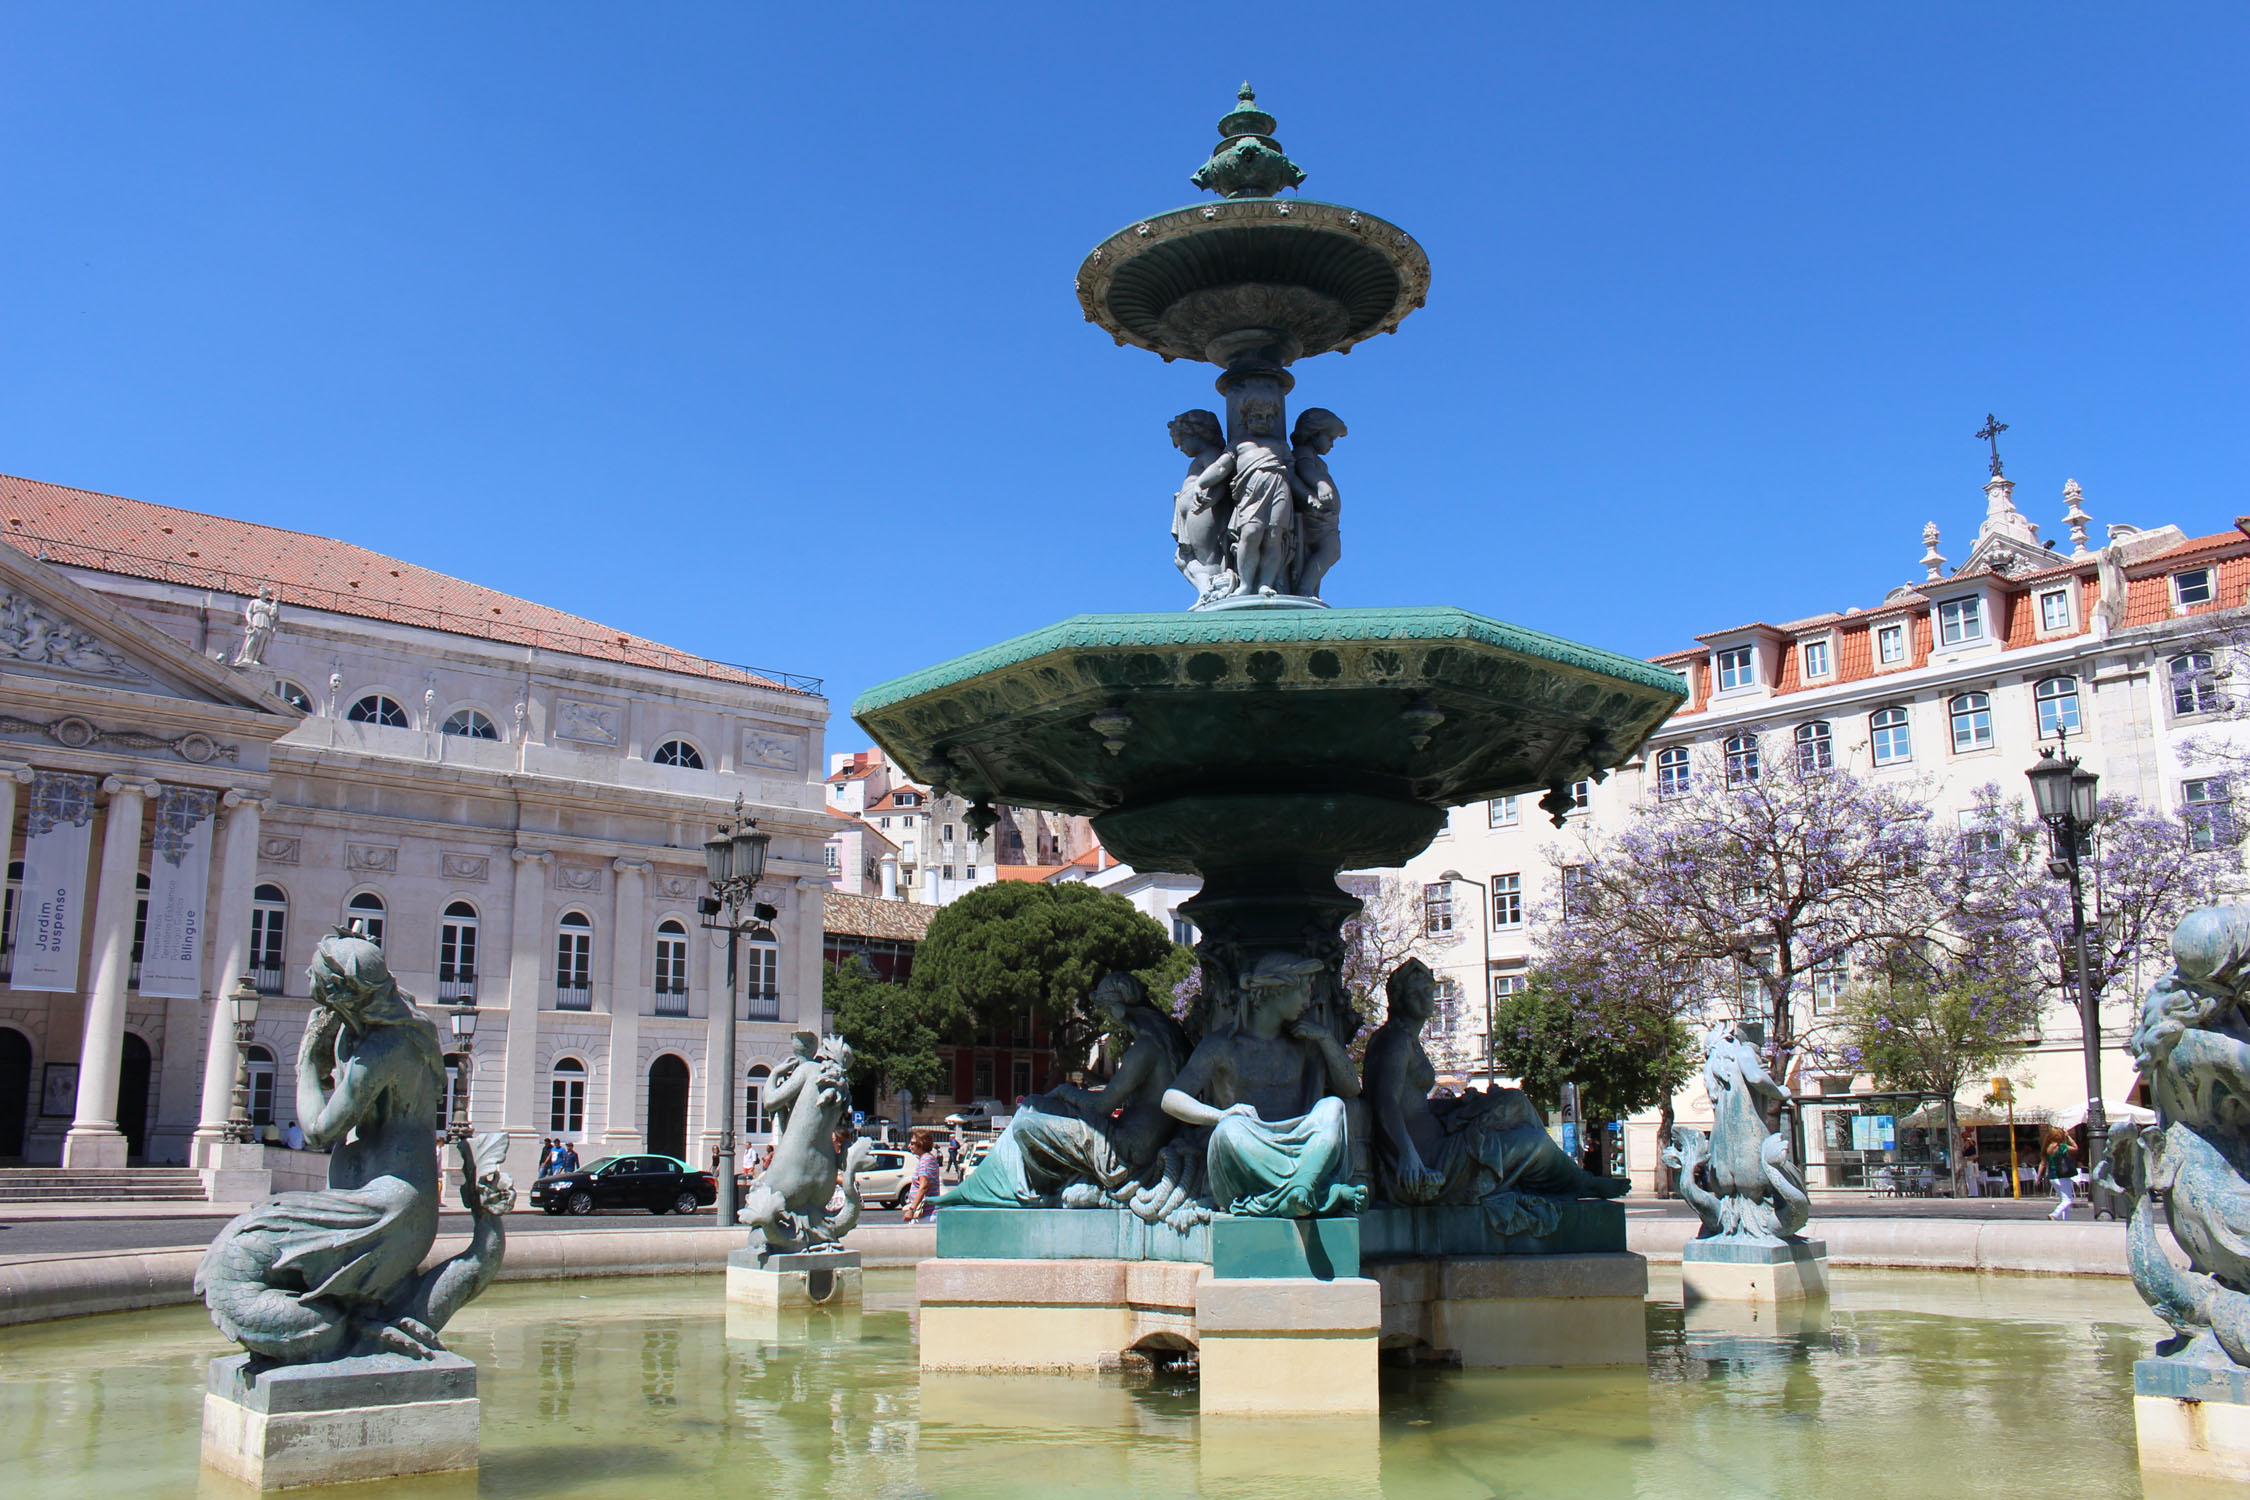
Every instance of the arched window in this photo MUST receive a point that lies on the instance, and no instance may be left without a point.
(761, 978)
(1890, 737)
(1742, 760)
(755, 1120)
(1815, 747)
(140, 926)
(8, 925)
(363, 916)
(1672, 772)
(293, 695)
(375, 708)
(566, 1098)
(260, 1064)
(1972, 722)
(2194, 689)
(2057, 698)
(671, 967)
(679, 753)
(574, 962)
(469, 724)
(269, 932)
(457, 953)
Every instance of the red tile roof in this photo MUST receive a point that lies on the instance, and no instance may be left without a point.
(1032, 873)
(111, 534)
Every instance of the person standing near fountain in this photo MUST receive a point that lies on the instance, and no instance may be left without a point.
(1271, 1086)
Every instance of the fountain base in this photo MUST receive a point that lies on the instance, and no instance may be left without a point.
(812, 1278)
(2192, 1419)
(379, 1416)
(1720, 1270)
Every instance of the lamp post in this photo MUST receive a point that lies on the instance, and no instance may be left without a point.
(735, 860)
(2065, 795)
(1484, 932)
(463, 1020)
(243, 1001)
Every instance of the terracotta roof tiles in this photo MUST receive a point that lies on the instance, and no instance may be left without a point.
(844, 915)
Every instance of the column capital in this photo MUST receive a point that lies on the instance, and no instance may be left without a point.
(23, 775)
(115, 786)
(532, 856)
(237, 799)
(631, 866)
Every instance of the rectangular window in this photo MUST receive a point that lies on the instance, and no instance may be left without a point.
(1507, 900)
(1890, 644)
(1816, 658)
(1581, 793)
(1501, 812)
(2192, 587)
(2209, 813)
(1960, 621)
(949, 833)
(945, 872)
(761, 981)
(1737, 668)
(1183, 932)
(972, 872)
(1981, 838)
(1437, 908)
(2054, 610)
(574, 971)
(566, 1105)
(1573, 880)
(1827, 986)
(831, 857)
(1504, 985)
(980, 1078)
(1892, 740)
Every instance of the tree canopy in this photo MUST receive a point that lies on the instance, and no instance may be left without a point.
(1018, 947)
(893, 1045)
(1561, 1028)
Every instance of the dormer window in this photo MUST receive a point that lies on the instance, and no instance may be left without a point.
(2054, 611)
(1738, 668)
(2192, 587)
(1961, 621)
(1890, 644)
(1816, 659)
(908, 799)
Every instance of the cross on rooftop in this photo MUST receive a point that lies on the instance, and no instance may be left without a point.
(1990, 433)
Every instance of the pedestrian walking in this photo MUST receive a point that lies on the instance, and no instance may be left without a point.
(2060, 1172)
(547, 1157)
(569, 1162)
(921, 1198)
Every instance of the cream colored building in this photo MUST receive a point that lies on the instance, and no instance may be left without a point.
(1952, 681)
(510, 798)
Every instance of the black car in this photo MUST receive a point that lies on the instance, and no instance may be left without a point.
(660, 1184)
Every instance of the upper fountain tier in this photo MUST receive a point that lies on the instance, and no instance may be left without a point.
(1256, 278)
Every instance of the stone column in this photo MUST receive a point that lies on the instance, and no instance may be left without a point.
(627, 983)
(94, 1139)
(230, 960)
(519, 1059)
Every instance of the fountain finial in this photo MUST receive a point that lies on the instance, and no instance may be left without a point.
(1249, 162)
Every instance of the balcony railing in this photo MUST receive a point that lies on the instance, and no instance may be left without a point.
(264, 980)
(574, 997)
(762, 1005)
(671, 1002)
(459, 989)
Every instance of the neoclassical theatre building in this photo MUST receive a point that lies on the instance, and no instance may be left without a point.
(221, 741)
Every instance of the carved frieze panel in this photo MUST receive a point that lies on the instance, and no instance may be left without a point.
(588, 723)
(577, 880)
(473, 867)
(274, 849)
(75, 733)
(772, 750)
(371, 859)
(33, 634)
(676, 887)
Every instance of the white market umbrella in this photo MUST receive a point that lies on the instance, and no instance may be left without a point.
(2071, 1116)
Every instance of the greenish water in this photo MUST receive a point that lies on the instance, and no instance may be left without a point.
(1907, 1385)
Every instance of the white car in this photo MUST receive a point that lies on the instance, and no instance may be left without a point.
(886, 1178)
(979, 1115)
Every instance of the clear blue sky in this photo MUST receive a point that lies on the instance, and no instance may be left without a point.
(755, 332)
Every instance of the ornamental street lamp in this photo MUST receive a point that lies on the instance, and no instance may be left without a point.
(463, 1020)
(243, 1001)
(734, 859)
(1484, 931)
(2065, 794)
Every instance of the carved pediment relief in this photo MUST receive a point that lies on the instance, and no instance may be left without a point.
(34, 634)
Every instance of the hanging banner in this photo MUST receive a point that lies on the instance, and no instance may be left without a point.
(179, 883)
(50, 908)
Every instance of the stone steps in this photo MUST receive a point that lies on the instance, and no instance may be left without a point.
(126, 1185)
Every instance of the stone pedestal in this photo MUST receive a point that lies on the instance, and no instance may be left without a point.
(1515, 1310)
(374, 1417)
(815, 1278)
(235, 1172)
(1719, 1270)
(2193, 1420)
(1288, 1345)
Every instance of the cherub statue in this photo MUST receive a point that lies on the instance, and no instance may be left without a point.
(788, 1204)
(1319, 545)
(1199, 525)
(1264, 488)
